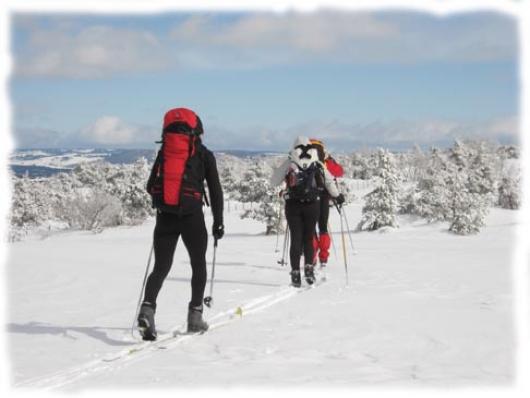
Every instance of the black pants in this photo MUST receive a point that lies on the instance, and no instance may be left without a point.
(302, 220)
(167, 231)
(324, 213)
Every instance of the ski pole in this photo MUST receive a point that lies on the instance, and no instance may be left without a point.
(208, 300)
(143, 288)
(278, 227)
(332, 241)
(349, 233)
(285, 240)
(343, 243)
(347, 224)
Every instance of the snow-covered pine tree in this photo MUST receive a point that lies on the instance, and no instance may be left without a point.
(28, 209)
(363, 165)
(468, 209)
(255, 188)
(509, 193)
(428, 199)
(228, 182)
(381, 205)
(459, 155)
(481, 174)
(468, 203)
(135, 200)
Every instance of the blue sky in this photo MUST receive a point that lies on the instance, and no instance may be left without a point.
(259, 79)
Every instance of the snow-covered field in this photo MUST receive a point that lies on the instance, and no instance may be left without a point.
(423, 308)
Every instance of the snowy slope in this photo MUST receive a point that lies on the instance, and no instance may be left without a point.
(423, 307)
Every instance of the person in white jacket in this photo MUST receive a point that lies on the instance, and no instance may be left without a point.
(305, 177)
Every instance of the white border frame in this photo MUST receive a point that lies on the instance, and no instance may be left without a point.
(519, 9)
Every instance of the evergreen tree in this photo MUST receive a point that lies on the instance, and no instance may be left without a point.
(429, 198)
(509, 193)
(255, 189)
(481, 175)
(381, 204)
(468, 209)
(228, 182)
(459, 155)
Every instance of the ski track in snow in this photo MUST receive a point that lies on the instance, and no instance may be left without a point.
(167, 341)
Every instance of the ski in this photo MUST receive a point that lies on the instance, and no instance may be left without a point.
(178, 335)
(167, 340)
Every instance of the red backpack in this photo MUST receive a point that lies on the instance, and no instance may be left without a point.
(169, 180)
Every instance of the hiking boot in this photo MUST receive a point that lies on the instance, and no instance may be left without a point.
(195, 321)
(146, 322)
(309, 274)
(295, 278)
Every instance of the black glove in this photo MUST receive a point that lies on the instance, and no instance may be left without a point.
(340, 199)
(218, 230)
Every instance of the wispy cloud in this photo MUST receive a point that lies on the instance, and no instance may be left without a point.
(255, 40)
(343, 136)
(91, 52)
(314, 32)
(112, 131)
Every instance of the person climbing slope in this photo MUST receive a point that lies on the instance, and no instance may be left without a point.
(176, 185)
(304, 178)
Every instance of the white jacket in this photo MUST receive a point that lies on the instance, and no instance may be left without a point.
(278, 176)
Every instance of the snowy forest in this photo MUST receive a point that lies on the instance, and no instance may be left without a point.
(456, 185)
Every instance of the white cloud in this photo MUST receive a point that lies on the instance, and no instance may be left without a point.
(314, 32)
(262, 39)
(340, 136)
(67, 48)
(94, 51)
(110, 130)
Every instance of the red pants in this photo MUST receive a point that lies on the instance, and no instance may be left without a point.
(321, 246)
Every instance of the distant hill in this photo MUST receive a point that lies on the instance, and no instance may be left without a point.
(46, 162)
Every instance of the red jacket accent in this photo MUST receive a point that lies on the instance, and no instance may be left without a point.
(176, 152)
(334, 168)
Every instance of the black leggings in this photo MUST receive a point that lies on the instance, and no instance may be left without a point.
(302, 219)
(324, 213)
(167, 231)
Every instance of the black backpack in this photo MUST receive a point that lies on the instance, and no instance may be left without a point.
(303, 185)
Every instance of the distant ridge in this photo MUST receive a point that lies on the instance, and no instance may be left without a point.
(38, 162)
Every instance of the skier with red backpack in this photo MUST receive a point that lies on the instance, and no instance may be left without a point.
(305, 178)
(322, 241)
(176, 186)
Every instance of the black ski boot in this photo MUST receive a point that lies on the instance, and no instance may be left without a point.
(146, 322)
(295, 278)
(195, 321)
(309, 274)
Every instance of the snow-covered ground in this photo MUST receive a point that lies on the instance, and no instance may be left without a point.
(423, 308)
